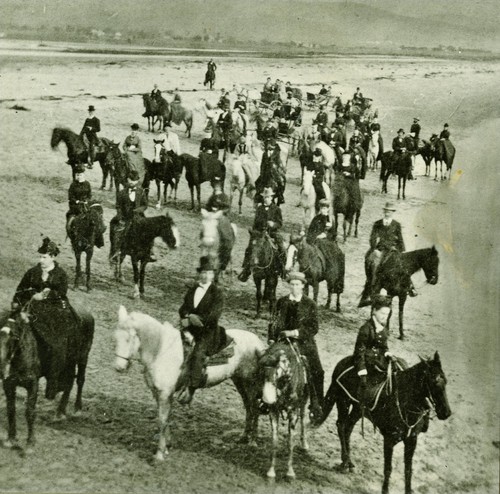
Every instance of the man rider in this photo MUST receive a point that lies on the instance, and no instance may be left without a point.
(156, 93)
(268, 219)
(445, 133)
(321, 119)
(200, 313)
(91, 127)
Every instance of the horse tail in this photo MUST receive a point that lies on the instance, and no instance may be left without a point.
(328, 402)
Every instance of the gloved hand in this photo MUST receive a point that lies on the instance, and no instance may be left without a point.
(291, 333)
(194, 320)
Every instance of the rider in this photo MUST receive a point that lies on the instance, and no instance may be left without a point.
(415, 130)
(169, 141)
(225, 122)
(371, 350)
(272, 169)
(355, 139)
(268, 86)
(292, 107)
(386, 237)
(91, 127)
(133, 150)
(357, 97)
(211, 66)
(44, 288)
(218, 201)
(131, 204)
(296, 317)
(398, 143)
(445, 133)
(200, 313)
(321, 119)
(177, 96)
(318, 169)
(321, 225)
(156, 93)
(224, 100)
(269, 131)
(268, 219)
(79, 194)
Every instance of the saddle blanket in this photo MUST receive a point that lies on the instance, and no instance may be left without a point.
(222, 357)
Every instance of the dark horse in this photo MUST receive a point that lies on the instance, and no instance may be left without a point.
(24, 358)
(394, 275)
(400, 415)
(265, 266)
(77, 150)
(166, 168)
(83, 232)
(443, 152)
(400, 165)
(156, 110)
(348, 201)
(285, 391)
(210, 77)
(137, 242)
(199, 170)
(323, 261)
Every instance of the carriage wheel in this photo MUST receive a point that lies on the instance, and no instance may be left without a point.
(274, 105)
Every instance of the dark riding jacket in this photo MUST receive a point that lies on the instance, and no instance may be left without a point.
(398, 144)
(321, 119)
(386, 238)
(127, 210)
(263, 214)
(269, 132)
(91, 126)
(370, 347)
(78, 191)
(317, 227)
(415, 128)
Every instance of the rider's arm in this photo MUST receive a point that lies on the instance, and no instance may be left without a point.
(308, 326)
(374, 237)
(24, 290)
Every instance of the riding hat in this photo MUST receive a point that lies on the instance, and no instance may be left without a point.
(324, 203)
(381, 300)
(91, 108)
(206, 264)
(296, 276)
(79, 168)
(268, 192)
(389, 206)
(48, 247)
(416, 119)
(445, 125)
(401, 131)
(133, 176)
(134, 126)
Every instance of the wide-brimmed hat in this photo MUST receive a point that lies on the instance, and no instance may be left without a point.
(48, 247)
(324, 203)
(206, 264)
(134, 126)
(91, 108)
(389, 206)
(268, 192)
(416, 119)
(381, 300)
(296, 276)
(79, 168)
(133, 176)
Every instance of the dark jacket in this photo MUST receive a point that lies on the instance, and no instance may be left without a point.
(263, 214)
(387, 237)
(370, 346)
(32, 283)
(398, 145)
(126, 209)
(321, 119)
(269, 132)
(445, 134)
(78, 191)
(209, 310)
(415, 128)
(317, 227)
(95, 126)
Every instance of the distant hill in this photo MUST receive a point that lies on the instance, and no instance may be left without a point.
(386, 23)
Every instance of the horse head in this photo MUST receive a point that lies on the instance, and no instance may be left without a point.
(431, 266)
(262, 250)
(169, 232)
(275, 369)
(12, 335)
(435, 382)
(126, 341)
(56, 137)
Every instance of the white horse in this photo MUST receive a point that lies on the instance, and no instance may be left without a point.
(244, 172)
(307, 198)
(159, 348)
(328, 160)
(373, 150)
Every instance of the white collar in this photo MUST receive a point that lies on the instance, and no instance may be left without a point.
(293, 299)
(378, 327)
(387, 222)
(204, 286)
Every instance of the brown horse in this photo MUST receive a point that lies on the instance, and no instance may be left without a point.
(178, 114)
(156, 110)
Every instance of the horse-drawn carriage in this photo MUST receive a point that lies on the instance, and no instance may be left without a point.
(269, 102)
(313, 101)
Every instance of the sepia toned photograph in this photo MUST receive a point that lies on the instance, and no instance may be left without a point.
(249, 246)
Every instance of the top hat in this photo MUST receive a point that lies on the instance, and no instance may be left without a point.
(206, 264)
(401, 130)
(91, 108)
(80, 168)
(134, 126)
(48, 247)
(389, 206)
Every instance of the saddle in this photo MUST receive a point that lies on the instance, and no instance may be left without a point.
(99, 147)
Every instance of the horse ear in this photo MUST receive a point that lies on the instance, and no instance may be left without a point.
(122, 313)
(434, 250)
(437, 358)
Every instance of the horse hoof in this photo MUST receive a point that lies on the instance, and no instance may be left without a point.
(158, 206)
(29, 450)
(9, 444)
(160, 456)
(290, 475)
(60, 417)
(401, 337)
(271, 474)
(89, 288)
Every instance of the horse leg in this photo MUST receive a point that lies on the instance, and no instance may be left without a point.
(344, 225)
(142, 274)
(10, 396)
(404, 187)
(342, 431)
(258, 286)
(399, 186)
(250, 402)
(292, 422)
(191, 189)
(164, 402)
(338, 303)
(402, 300)
(410, 445)
(31, 413)
(68, 386)
(198, 195)
(303, 436)
(78, 269)
(88, 258)
(358, 214)
(135, 267)
(329, 297)
(315, 285)
(80, 381)
(274, 416)
(240, 200)
(436, 169)
(388, 450)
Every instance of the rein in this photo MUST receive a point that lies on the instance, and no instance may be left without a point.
(272, 258)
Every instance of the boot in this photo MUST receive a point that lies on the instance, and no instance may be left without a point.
(245, 274)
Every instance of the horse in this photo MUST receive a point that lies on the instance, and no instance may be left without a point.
(395, 271)
(444, 152)
(160, 350)
(400, 415)
(373, 149)
(156, 110)
(307, 198)
(199, 170)
(77, 149)
(397, 163)
(210, 77)
(426, 150)
(165, 167)
(285, 391)
(218, 236)
(25, 358)
(137, 242)
(178, 114)
(116, 166)
(265, 266)
(83, 232)
(323, 261)
(238, 129)
(244, 173)
(348, 201)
